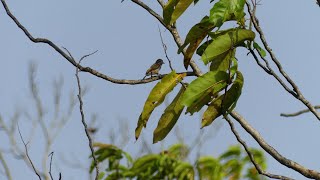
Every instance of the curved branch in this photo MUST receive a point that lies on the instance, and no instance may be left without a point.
(274, 153)
(72, 61)
(246, 148)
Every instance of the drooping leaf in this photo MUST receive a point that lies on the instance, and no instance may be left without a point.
(226, 10)
(225, 42)
(259, 49)
(194, 37)
(145, 162)
(168, 10)
(203, 47)
(209, 168)
(233, 152)
(178, 151)
(156, 97)
(184, 171)
(210, 82)
(169, 118)
(223, 103)
(174, 9)
(223, 61)
(197, 105)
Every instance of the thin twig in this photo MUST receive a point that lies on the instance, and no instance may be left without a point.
(298, 95)
(298, 112)
(172, 30)
(51, 154)
(27, 153)
(274, 153)
(256, 165)
(83, 117)
(165, 49)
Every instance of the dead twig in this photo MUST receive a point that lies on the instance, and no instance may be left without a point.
(298, 112)
(83, 116)
(27, 153)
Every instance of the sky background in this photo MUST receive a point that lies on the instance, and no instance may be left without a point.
(128, 42)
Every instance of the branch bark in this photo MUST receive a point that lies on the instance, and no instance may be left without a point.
(246, 148)
(274, 153)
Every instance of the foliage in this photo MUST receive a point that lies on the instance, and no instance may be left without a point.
(171, 164)
(220, 88)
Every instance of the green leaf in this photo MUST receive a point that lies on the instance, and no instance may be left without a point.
(101, 175)
(215, 109)
(222, 62)
(144, 162)
(156, 97)
(168, 10)
(233, 152)
(259, 49)
(210, 82)
(174, 9)
(226, 10)
(184, 171)
(194, 37)
(169, 118)
(178, 151)
(225, 42)
(203, 47)
(209, 168)
(197, 105)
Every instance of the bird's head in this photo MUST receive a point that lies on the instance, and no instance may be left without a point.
(160, 61)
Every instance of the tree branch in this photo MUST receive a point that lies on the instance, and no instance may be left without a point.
(274, 153)
(298, 112)
(83, 118)
(246, 148)
(72, 61)
(5, 166)
(27, 154)
(298, 95)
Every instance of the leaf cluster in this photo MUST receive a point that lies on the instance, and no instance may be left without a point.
(171, 164)
(219, 89)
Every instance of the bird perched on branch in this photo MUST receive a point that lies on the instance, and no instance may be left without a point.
(154, 68)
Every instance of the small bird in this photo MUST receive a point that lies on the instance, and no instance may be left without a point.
(155, 68)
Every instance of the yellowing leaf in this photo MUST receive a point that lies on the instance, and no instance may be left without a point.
(156, 97)
(169, 118)
(174, 9)
(225, 102)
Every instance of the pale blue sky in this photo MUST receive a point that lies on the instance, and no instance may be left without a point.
(128, 42)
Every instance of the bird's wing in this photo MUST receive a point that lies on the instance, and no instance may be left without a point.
(152, 68)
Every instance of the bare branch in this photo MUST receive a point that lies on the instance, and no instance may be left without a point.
(246, 148)
(83, 118)
(27, 154)
(51, 154)
(298, 95)
(72, 61)
(165, 49)
(5, 166)
(274, 153)
(298, 112)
